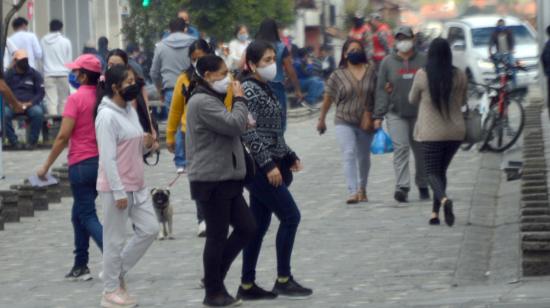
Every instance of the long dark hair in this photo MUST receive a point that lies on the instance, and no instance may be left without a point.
(269, 31)
(199, 44)
(208, 63)
(343, 59)
(114, 76)
(119, 53)
(254, 53)
(439, 69)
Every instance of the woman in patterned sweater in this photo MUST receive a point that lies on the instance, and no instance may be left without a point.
(268, 188)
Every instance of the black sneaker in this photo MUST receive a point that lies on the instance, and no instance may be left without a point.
(254, 293)
(291, 289)
(424, 193)
(400, 195)
(79, 273)
(222, 300)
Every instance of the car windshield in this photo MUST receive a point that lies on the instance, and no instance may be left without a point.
(482, 36)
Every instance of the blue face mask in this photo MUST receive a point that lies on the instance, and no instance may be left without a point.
(243, 37)
(501, 28)
(73, 81)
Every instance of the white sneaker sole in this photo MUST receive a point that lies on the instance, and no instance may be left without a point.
(107, 304)
(86, 277)
(298, 298)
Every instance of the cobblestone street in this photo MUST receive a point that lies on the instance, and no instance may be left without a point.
(375, 254)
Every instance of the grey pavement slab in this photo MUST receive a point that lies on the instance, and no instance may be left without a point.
(375, 254)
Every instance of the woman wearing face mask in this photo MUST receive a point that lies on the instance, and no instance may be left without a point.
(352, 87)
(177, 116)
(216, 172)
(141, 103)
(269, 193)
(121, 186)
(77, 131)
(237, 48)
(269, 31)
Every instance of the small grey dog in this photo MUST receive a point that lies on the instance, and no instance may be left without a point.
(164, 211)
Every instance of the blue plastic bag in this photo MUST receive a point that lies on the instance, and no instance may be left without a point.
(381, 144)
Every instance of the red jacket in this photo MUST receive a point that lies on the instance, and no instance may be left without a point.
(382, 42)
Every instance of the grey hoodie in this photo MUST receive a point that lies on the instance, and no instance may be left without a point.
(400, 74)
(171, 58)
(213, 139)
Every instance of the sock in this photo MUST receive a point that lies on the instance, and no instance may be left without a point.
(282, 279)
(247, 286)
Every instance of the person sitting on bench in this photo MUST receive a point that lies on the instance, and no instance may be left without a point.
(28, 87)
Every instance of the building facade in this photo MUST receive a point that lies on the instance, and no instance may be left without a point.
(84, 20)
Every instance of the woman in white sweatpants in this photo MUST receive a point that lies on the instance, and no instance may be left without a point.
(121, 185)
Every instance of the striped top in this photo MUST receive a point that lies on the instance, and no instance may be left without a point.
(351, 96)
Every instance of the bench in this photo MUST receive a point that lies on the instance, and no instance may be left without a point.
(50, 127)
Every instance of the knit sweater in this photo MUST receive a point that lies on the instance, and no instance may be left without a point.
(431, 125)
(266, 141)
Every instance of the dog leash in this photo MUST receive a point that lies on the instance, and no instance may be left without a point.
(175, 180)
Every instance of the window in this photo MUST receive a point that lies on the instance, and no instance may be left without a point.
(456, 34)
(482, 36)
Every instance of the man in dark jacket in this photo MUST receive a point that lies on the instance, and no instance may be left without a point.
(28, 87)
(545, 59)
(501, 46)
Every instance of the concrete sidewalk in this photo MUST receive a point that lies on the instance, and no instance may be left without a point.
(376, 254)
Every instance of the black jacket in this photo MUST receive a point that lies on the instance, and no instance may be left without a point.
(494, 40)
(27, 87)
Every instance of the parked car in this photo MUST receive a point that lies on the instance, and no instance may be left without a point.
(469, 39)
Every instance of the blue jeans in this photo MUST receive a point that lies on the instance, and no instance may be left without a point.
(179, 155)
(162, 114)
(265, 200)
(314, 87)
(83, 178)
(280, 92)
(508, 60)
(355, 145)
(36, 117)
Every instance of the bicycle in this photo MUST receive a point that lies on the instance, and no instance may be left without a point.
(504, 121)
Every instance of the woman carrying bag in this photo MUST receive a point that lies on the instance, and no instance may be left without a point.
(352, 88)
(440, 90)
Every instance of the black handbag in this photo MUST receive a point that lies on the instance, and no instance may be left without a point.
(250, 166)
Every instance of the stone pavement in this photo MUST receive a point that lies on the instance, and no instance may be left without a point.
(376, 254)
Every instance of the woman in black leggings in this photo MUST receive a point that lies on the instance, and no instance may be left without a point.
(440, 91)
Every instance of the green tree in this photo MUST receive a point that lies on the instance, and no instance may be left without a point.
(218, 18)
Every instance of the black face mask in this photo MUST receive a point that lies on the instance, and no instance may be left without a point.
(130, 93)
(357, 57)
(23, 65)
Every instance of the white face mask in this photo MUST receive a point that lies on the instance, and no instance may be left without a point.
(404, 46)
(220, 86)
(269, 72)
(194, 63)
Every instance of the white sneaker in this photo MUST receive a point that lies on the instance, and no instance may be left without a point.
(118, 298)
(202, 229)
(180, 170)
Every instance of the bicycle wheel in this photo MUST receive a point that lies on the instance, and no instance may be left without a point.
(502, 131)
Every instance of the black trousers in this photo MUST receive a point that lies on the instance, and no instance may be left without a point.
(223, 204)
(548, 93)
(437, 158)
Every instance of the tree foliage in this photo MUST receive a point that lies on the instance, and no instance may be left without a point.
(217, 18)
